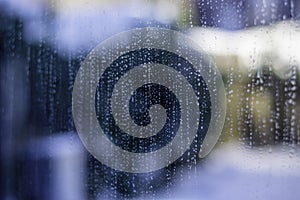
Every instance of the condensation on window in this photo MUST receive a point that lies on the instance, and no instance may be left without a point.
(254, 46)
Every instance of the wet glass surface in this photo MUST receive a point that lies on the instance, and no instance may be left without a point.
(254, 45)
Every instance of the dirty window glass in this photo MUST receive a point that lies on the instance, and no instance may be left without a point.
(150, 99)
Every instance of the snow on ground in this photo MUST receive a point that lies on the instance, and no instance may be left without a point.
(233, 171)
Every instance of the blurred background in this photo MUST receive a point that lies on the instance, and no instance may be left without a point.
(256, 46)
